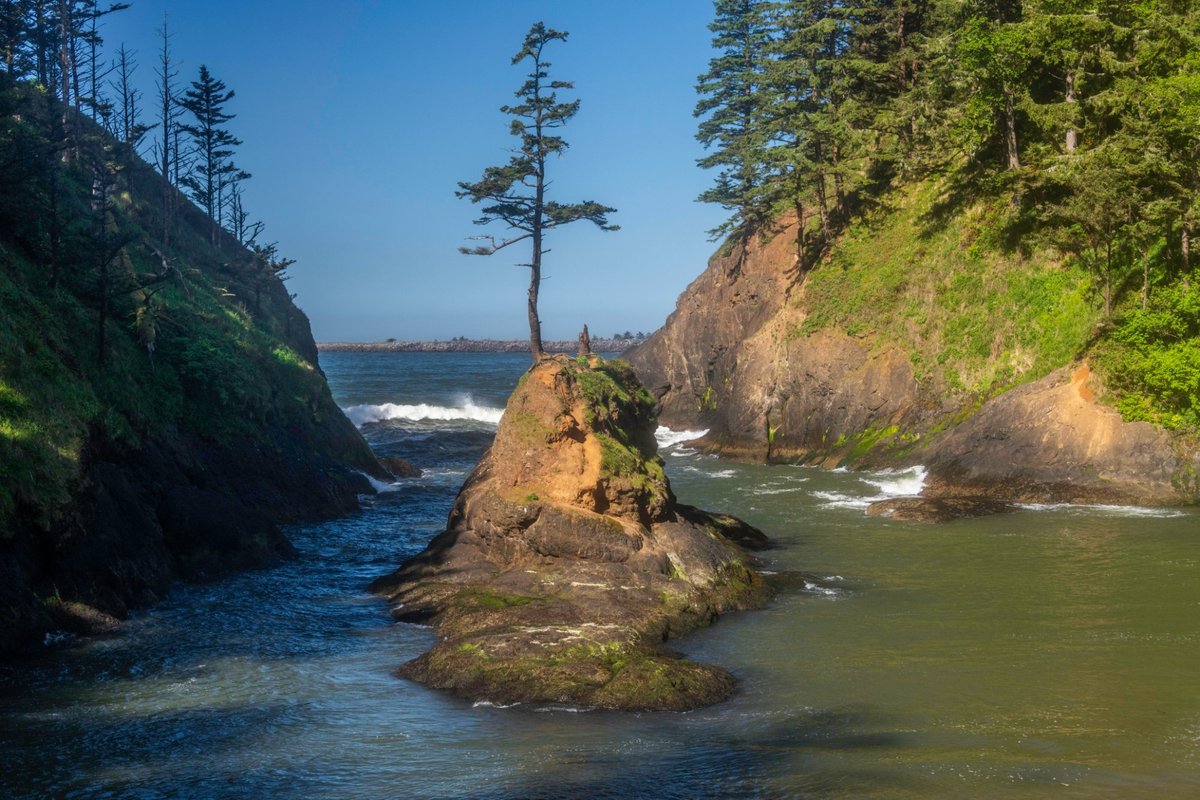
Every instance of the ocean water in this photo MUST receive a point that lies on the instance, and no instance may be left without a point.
(1053, 652)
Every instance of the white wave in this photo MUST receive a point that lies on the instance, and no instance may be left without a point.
(764, 492)
(839, 500)
(903, 483)
(379, 486)
(490, 704)
(888, 484)
(824, 591)
(363, 414)
(668, 438)
(1105, 510)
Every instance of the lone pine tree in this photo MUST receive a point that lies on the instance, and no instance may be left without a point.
(214, 168)
(516, 192)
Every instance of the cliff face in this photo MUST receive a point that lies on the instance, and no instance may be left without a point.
(175, 444)
(906, 346)
(566, 559)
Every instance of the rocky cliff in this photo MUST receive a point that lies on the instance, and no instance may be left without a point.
(567, 561)
(161, 412)
(906, 345)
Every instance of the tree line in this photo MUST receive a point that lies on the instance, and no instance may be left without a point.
(1073, 121)
(1082, 112)
(73, 115)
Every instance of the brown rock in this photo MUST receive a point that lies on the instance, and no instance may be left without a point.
(1049, 441)
(399, 468)
(566, 559)
(729, 360)
(938, 509)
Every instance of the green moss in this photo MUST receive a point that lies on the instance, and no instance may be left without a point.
(486, 599)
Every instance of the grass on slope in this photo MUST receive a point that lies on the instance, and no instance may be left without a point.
(222, 367)
(974, 320)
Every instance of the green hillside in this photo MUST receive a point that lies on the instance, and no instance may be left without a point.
(997, 188)
(143, 356)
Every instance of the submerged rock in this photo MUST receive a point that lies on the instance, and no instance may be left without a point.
(567, 561)
(399, 468)
(938, 509)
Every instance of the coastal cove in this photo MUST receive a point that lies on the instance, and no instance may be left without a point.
(1045, 652)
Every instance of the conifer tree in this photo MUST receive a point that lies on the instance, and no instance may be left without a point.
(205, 101)
(169, 111)
(731, 110)
(516, 191)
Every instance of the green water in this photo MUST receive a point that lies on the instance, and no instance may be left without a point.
(1046, 653)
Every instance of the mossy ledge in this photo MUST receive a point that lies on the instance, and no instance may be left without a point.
(567, 561)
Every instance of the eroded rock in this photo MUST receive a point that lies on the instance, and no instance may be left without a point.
(567, 561)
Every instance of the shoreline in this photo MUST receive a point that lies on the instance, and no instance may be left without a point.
(607, 346)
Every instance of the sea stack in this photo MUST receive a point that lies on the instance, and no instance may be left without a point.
(566, 561)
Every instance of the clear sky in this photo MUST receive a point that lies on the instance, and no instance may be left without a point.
(359, 117)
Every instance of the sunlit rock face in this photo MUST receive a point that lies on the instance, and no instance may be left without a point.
(567, 560)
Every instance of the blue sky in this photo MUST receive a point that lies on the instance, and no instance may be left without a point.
(359, 118)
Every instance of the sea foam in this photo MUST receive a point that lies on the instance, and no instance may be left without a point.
(887, 484)
(669, 438)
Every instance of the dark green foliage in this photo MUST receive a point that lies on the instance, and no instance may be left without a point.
(194, 340)
(731, 111)
(515, 192)
(1072, 122)
(214, 172)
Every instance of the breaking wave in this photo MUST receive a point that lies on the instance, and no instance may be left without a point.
(669, 438)
(887, 484)
(365, 414)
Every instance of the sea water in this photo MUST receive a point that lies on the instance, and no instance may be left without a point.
(1053, 652)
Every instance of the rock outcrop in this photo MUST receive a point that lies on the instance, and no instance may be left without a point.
(567, 560)
(735, 358)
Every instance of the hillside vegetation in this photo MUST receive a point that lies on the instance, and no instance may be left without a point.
(974, 318)
(997, 188)
(160, 404)
(198, 338)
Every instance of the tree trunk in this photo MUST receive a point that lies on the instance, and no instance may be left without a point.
(1145, 282)
(823, 207)
(1185, 250)
(535, 280)
(800, 220)
(1108, 280)
(1072, 100)
(1010, 130)
(839, 191)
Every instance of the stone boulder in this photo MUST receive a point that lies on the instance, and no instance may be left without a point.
(567, 561)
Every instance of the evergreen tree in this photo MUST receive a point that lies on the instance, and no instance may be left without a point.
(214, 168)
(516, 191)
(166, 149)
(731, 112)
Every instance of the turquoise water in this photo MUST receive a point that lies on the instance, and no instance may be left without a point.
(1047, 653)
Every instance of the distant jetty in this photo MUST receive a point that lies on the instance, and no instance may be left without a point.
(475, 346)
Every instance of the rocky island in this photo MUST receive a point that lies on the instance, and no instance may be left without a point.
(567, 561)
